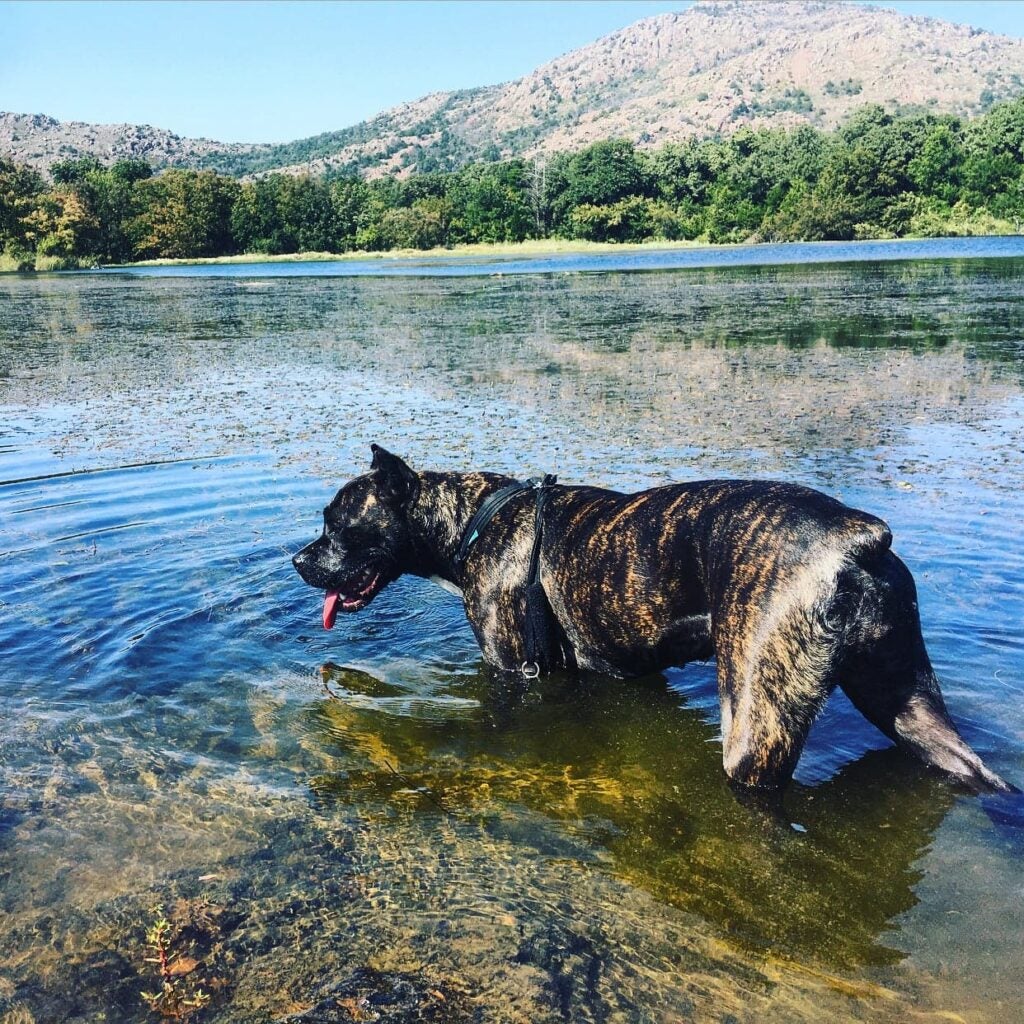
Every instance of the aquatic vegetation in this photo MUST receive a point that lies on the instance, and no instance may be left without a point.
(178, 997)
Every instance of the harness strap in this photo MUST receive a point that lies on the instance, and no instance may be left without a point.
(542, 643)
(545, 646)
(485, 513)
(538, 526)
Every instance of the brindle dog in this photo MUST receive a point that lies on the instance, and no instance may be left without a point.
(790, 591)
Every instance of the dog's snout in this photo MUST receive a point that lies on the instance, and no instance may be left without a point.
(318, 563)
(304, 562)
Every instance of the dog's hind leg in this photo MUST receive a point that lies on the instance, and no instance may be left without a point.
(888, 677)
(771, 687)
(765, 723)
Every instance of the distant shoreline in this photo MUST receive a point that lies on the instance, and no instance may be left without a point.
(531, 247)
(485, 250)
(482, 251)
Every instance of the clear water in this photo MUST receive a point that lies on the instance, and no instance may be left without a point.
(363, 822)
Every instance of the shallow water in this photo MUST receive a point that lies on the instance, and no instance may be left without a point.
(363, 824)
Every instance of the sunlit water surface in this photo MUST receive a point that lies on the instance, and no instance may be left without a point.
(363, 824)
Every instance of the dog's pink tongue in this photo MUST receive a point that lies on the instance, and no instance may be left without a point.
(331, 608)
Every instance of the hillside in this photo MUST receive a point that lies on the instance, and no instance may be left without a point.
(40, 141)
(711, 69)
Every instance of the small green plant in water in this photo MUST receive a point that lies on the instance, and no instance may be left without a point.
(176, 999)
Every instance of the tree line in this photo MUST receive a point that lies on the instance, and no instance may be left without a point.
(881, 175)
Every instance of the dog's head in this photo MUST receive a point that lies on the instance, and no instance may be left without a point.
(365, 536)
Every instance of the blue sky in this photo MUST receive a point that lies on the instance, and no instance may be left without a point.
(272, 72)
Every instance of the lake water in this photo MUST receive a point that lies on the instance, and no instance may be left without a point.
(362, 824)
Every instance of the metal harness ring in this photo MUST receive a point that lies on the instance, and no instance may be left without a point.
(530, 669)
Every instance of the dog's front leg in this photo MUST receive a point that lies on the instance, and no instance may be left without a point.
(496, 616)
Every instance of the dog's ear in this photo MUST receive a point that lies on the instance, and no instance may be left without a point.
(397, 484)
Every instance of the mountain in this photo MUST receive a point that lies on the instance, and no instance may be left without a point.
(711, 69)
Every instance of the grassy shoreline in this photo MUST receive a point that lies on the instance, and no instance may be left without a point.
(533, 247)
(477, 250)
(524, 250)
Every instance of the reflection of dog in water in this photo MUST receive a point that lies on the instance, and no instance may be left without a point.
(790, 591)
(631, 770)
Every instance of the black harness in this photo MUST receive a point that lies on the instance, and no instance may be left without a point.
(544, 641)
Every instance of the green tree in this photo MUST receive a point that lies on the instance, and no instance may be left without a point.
(114, 204)
(731, 216)
(59, 223)
(491, 203)
(20, 187)
(994, 147)
(103, 205)
(75, 172)
(632, 219)
(686, 172)
(600, 175)
(184, 214)
(935, 170)
(349, 199)
(307, 213)
(424, 225)
(813, 215)
(382, 196)
(255, 224)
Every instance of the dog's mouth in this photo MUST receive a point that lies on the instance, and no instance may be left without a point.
(355, 593)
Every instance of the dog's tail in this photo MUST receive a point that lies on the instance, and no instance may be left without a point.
(867, 536)
(888, 675)
(924, 728)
